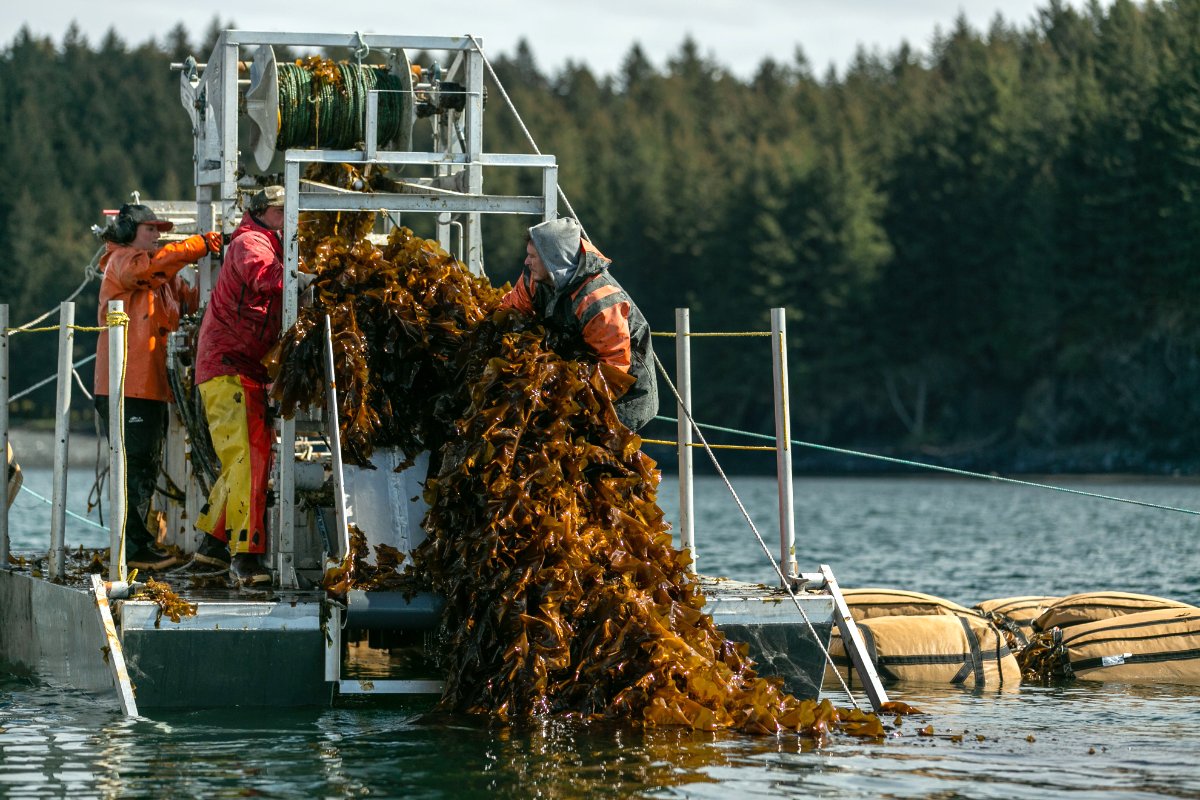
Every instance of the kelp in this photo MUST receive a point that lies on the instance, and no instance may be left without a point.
(169, 603)
(399, 315)
(563, 592)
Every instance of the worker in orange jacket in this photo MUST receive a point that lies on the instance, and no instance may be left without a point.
(567, 286)
(146, 277)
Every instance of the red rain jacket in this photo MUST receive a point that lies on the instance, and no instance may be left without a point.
(244, 313)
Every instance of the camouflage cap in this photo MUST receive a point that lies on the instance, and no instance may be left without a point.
(265, 198)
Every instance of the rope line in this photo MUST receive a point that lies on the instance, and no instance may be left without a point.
(784, 580)
(49, 328)
(89, 273)
(713, 446)
(951, 470)
(734, 334)
(70, 513)
(528, 136)
(53, 377)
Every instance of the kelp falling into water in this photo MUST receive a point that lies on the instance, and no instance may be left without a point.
(564, 594)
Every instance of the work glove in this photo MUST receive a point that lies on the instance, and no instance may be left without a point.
(214, 241)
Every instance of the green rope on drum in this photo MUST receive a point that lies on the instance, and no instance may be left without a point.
(322, 113)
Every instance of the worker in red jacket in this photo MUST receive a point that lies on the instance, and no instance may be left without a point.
(240, 326)
(146, 278)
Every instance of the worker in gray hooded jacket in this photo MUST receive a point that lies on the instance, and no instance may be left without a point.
(566, 285)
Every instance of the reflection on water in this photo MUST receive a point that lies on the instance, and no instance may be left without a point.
(963, 541)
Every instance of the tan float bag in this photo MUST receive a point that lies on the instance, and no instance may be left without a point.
(1160, 646)
(1079, 609)
(873, 603)
(1015, 615)
(944, 649)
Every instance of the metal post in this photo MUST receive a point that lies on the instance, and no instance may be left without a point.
(783, 444)
(118, 513)
(473, 117)
(4, 545)
(550, 193)
(683, 380)
(370, 134)
(58, 514)
(285, 496)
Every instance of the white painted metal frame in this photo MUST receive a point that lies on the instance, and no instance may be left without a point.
(783, 444)
(117, 511)
(216, 156)
(58, 514)
(683, 380)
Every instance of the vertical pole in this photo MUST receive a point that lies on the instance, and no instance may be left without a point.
(285, 458)
(783, 444)
(62, 408)
(117, 510)
(683, 379)
(370, 134)
(550, 194)
(4, 545)
(473, 120)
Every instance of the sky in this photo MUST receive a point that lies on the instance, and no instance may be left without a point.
(737, 34)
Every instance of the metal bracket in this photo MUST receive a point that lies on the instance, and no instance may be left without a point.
(853, 642)
(116, 658)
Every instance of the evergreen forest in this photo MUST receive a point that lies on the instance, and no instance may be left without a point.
(987, 248)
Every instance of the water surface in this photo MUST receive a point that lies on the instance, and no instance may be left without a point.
(962, 540)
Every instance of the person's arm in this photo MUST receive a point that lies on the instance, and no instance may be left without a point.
(607, 334)
(260, 269)
(521, 295)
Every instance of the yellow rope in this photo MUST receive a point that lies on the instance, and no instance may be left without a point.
(673, 334)
(84, 328)
(713, 446)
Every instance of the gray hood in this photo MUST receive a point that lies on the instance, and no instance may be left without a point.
(557, 242)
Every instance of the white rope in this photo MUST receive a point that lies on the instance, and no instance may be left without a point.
(70, 513)
(89, 272)
(783, 579)
(528, 136)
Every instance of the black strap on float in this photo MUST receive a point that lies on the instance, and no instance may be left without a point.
(872, 653)
(974, 660)
(1138, 658)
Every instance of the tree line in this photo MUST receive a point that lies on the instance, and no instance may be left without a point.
(986, 250)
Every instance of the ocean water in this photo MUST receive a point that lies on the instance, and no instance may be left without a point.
(963, 540)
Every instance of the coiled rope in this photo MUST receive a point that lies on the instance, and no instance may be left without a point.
(322, 104)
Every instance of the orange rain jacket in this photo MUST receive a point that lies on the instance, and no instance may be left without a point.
(155, 297)
(591, 312)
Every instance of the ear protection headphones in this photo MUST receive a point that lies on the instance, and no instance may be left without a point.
(121, 230)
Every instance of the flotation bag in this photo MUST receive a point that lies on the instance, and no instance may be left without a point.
(873, 603)
(964, 650)
(1015, 615)
(15, 479)
(1159, 646)
(1079, 609)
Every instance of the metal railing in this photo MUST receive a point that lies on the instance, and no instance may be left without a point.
(66, 329)
(783, 429)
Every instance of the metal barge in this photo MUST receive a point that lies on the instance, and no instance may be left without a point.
(68, 626)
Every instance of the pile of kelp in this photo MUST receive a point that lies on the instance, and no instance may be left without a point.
(563, 592)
